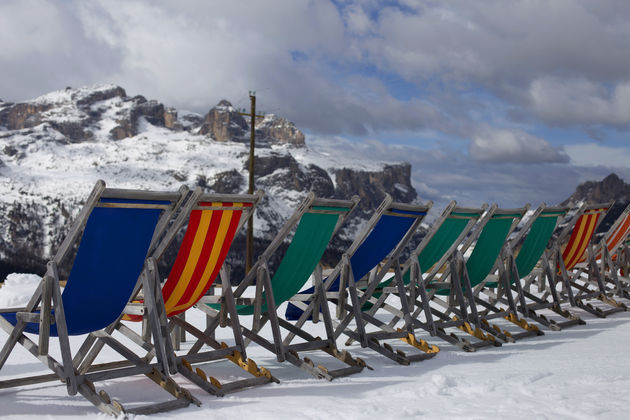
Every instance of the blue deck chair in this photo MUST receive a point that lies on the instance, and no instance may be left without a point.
(212, 221)
(115, 231)
(374, 252)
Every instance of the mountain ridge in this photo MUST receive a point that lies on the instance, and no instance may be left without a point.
(54, 147)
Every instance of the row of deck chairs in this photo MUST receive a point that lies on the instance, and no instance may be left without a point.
(479, 277)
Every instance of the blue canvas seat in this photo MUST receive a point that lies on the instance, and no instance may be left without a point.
(115, 240)
(115, 231)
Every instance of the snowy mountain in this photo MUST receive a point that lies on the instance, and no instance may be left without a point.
(55, 147)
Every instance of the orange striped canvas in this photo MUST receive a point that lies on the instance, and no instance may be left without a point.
(580, 237)
(211, 230)
(617, 237)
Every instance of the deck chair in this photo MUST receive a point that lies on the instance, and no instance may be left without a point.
(426, 264)
(115, 230)
(315, 221)
(621, 260)
(451, 301)
(603, 260)
(565, 256)
(213, 221)
(375, 251)
(519, 257)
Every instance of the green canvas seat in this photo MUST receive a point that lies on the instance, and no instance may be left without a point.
(519, 257)
(445, 293)
(307, 247)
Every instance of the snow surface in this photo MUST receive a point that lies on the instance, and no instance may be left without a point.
(17, 289)
(577, 373)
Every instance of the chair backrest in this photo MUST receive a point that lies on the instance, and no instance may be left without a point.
(582, 234)
(490, 241)
(317, 220)
(393, 228)
(448, 231)
(213, 223)
(617, 233)
(537, 239)
(110, 257)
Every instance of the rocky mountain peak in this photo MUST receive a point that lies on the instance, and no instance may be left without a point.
(224, 123)
(225, 105)
(611, 188)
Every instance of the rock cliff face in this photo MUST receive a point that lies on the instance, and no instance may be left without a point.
(276, 130)
(224, 123)
(53, 149)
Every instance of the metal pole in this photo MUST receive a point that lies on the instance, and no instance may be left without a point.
(250, 224)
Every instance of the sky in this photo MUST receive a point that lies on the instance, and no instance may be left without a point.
(490, 101)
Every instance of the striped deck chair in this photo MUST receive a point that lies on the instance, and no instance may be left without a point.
(576, 290)
(115, 231)
(213, 221)
(314, 223)
(451, 298)
(603, 258)
(520, 256)
(373, 253)
(425, 265)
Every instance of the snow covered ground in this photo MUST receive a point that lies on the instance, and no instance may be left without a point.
(577, 373)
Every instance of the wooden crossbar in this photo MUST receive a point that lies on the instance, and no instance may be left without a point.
(133, 206)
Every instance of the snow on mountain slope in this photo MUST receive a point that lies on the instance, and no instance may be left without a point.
(55, 147)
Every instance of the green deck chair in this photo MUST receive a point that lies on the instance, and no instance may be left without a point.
(518, 259)
(453, 301)
(315, 222)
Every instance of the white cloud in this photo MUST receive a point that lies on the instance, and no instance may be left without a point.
(503, 145)
(193, 53)
(593, 154)
(443, 176)
(580, 101)
(357, 21)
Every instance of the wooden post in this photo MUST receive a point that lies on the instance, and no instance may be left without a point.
(249, 247)
(250, 222)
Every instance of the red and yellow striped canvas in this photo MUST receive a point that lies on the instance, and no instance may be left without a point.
(201, 255)
(580, 237)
